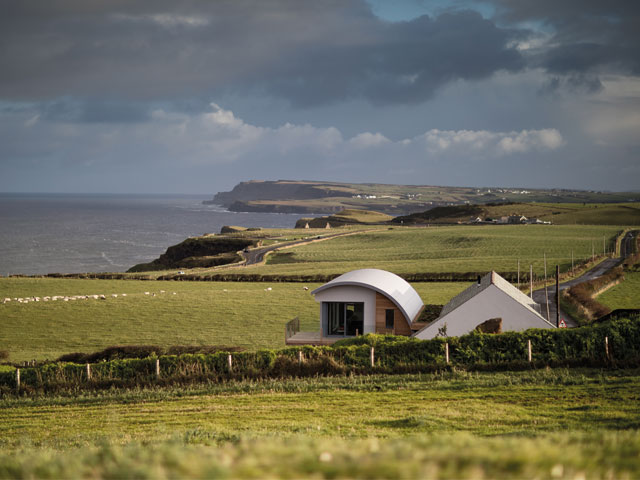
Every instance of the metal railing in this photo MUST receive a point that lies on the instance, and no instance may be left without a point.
(291, 328)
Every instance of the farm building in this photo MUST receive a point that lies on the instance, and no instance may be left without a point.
(490, 298)
(363, 301)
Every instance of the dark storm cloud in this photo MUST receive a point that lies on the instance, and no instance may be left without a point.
(307, 52)
(589, 36)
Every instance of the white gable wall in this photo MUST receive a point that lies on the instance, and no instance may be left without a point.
(489, 303)
(351, 294)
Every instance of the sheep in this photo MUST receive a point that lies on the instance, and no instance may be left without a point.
(124, 294)
(102, 297)
(114, 295)
(305, 288)
(146, 293)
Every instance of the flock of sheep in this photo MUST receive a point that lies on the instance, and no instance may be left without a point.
(65, 298)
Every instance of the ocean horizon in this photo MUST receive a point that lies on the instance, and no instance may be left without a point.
(43, 233)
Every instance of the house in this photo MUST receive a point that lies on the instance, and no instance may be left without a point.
(363, 301)
(489, 298)
(516, 219)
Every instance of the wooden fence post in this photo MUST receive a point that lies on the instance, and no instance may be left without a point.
(299, 357)
(606, 347)
(17, 379)
(230, 362)
(88, 371)
(446, 352)
(529, 348)
(373, 361)
(157, 368)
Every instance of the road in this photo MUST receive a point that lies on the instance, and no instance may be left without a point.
(256, 255)
(626, 249)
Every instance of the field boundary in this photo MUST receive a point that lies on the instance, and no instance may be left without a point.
(608, 344)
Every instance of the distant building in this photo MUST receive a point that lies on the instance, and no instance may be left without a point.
(491, 297)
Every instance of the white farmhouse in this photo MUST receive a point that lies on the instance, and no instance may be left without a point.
(491, 297)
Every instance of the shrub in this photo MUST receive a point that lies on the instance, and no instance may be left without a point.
(583, 346)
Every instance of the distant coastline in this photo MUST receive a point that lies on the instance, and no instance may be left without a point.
(318, 197)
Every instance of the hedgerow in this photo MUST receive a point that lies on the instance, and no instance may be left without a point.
(392, 354)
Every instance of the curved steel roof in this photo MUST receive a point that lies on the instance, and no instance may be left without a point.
(388, 284)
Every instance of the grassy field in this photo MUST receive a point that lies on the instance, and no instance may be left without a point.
(444, 249)
(624, 295)
(207, 313)
(546, 423)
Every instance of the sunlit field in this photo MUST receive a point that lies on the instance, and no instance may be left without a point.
(446, 249)
(250, 315)
(546, 423)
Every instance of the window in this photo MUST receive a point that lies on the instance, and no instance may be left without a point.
(389, 317)
(344, 319)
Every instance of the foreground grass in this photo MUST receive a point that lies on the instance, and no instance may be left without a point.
(582, 455)
(534, 424)
(444, 249)
(624, 295)
(207, 313)
(518, 403)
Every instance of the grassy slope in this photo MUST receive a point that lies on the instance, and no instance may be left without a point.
(557, 213)
(575, 213)
(452, 425)
(445, 249)
(623, 295)
(200, 313)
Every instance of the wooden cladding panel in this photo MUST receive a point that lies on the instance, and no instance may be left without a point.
(401, 327)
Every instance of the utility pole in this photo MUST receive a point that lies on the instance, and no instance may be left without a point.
(557, 296)
(531, 281)
(518, 274)
(546, 293)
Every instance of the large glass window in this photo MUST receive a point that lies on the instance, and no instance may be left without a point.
(345, 319)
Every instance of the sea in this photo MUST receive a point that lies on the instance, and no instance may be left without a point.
(78, 233)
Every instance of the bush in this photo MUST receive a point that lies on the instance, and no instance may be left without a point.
(582, 346)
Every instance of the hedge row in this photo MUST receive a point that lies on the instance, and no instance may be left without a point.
(582, 294)
(393, 354)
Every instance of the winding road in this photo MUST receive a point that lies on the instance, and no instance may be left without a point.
(256, 255)
(626, 249)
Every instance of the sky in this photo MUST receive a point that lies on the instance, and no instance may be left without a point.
(158, 96)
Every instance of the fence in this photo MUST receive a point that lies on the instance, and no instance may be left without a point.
(614, 343)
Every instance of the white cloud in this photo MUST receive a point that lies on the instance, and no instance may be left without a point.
(483, 143)
(180, 143)
(369, 140)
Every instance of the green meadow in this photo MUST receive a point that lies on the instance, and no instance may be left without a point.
(546, 423)
(445, 249)
(624, 295)
(173, 313)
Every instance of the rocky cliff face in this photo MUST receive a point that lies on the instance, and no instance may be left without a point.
(269, 190)
(197, 252)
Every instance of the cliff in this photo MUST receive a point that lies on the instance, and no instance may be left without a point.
(197, 252)
(272, 190)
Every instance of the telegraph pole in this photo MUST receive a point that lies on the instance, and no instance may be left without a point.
(557, 296)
